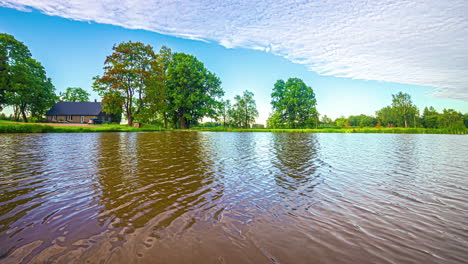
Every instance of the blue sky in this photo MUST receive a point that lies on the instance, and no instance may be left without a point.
(73, 51)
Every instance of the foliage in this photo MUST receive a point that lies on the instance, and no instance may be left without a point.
(295, 102)
(23, 81)
(74, 94)
(326, 120)
(192, 91)
(244, 111)
(31, 92)
(342, 122)
(126, 72)
(450, 119)
(275, 121)
(225, 112)
(404, 109)
(430, 117)
(362, 121)
(155, 98)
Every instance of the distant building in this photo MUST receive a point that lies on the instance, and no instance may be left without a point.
(77, 112)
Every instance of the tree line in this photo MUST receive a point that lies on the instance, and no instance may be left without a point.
(176, 90)
(402, 113)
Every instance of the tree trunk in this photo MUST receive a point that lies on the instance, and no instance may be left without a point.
(25, 118)
(183, 123)
(129, 119)
(406, 123)
(165, 120)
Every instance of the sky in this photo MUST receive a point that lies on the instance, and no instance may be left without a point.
(354, 54)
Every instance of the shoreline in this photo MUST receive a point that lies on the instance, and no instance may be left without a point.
(18, 127)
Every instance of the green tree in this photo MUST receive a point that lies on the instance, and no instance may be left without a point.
(404, 108)
(450, 119)
(31, 92)
(342, 122)
(224, 112)
(387, 116)
(430, 117)
(126, 71)
(12, 52)
(274, 121)
(74, 94)
(156, 94)
(244, 110)
(295, 102)
(193, 91)
(3, 77)
(326, 120)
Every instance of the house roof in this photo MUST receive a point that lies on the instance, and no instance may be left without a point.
(75, 108)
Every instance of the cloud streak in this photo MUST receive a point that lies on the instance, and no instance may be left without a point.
(411, 42)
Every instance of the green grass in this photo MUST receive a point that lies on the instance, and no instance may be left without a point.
(344, 130)
(14, 127)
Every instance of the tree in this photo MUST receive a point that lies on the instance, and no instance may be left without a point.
(450, 119)
(295, 102)
(225, 111)
(404, 109)
(126, 72)
(31, 92)
(3, 77)
(74, 94)
(244, 110)
(326, 120)
(156, 94)
(430, 117)
(342, 122)
(274, 121)
(387, 116)
(12, 52)
(193, 91)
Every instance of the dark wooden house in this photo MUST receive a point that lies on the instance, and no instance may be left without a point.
(77, 112)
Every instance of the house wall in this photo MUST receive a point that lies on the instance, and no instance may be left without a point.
(75, 119)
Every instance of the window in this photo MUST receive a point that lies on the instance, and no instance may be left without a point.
(54, 118)
(69, 118)
(82, 119)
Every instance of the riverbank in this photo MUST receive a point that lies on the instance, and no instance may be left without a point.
(397, 130)
(17, 127)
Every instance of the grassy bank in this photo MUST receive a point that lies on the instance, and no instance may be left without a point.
(345, 130)
(15, 127)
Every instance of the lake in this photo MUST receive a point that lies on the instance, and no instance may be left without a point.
(204, 197)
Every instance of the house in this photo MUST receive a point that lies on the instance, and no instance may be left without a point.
(77, 112)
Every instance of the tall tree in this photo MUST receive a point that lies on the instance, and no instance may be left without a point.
(156, 94)
(3, 77)
(430, 117)
(126, 71)
(295, 102)
(225, 112)
(387, 116)
(31, 91)
(450, 119)
(193, 91)
(74, 94)
(12, 52)
(403, 105)
(244, 110)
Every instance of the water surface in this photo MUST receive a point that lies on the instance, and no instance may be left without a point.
(201, 197)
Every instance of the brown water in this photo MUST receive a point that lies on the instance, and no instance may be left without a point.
(189, 197)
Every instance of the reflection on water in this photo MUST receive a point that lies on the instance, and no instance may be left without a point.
(186, 197)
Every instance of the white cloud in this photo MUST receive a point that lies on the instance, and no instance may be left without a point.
(411, 42)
